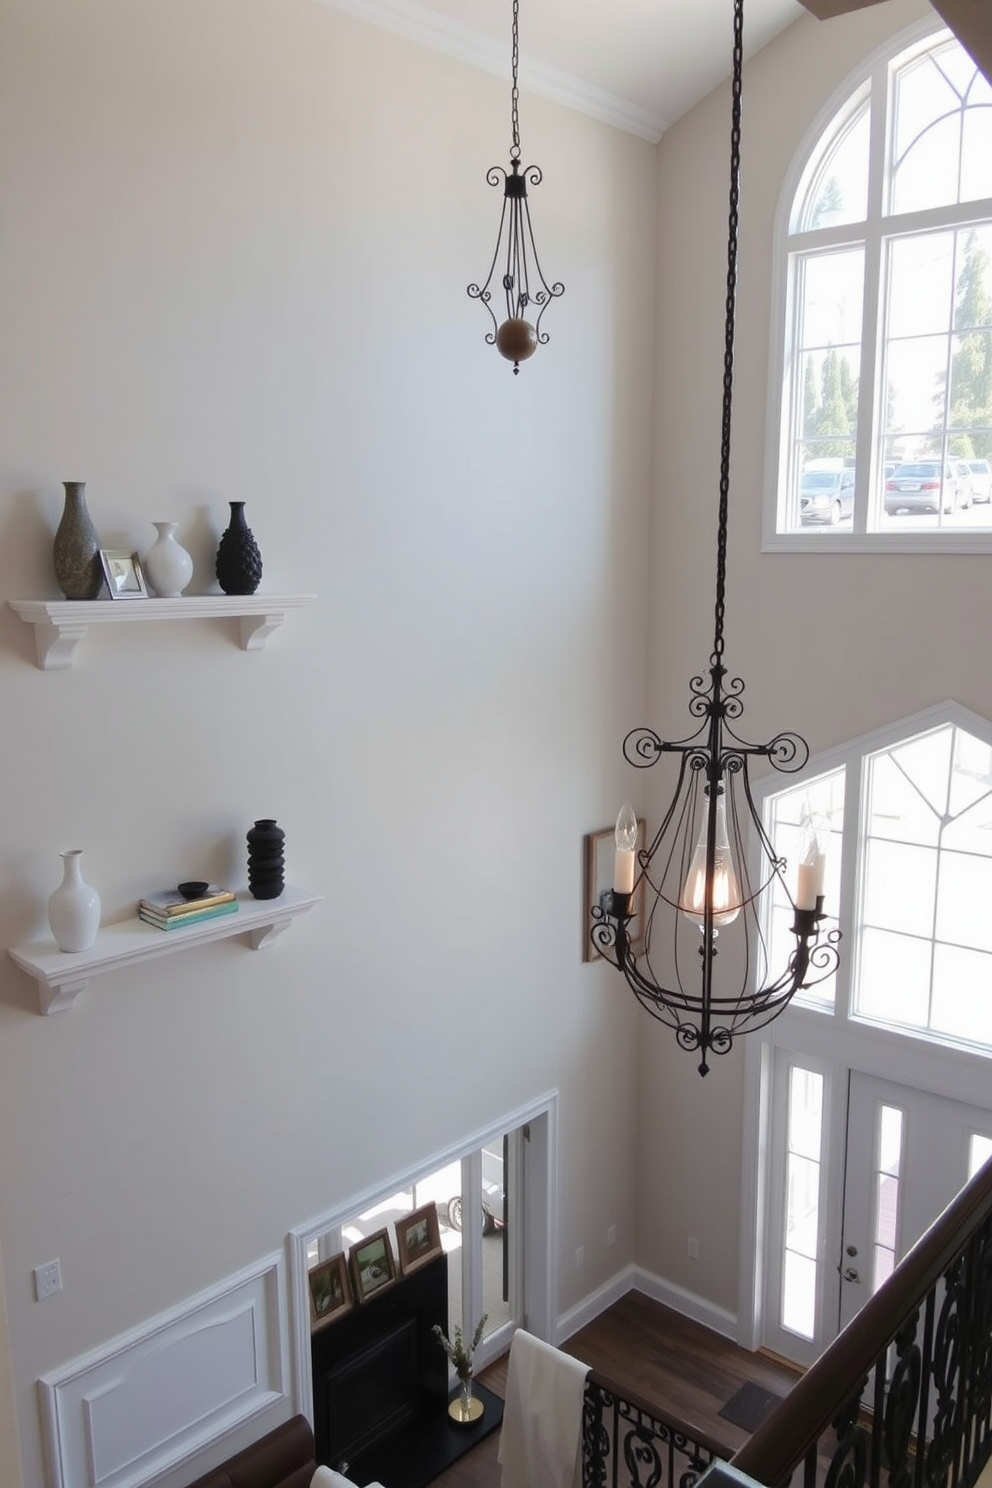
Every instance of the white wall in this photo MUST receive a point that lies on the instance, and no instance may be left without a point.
(236, 236)
(828, 645)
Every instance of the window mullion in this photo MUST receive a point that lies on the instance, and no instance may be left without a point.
(852, 856)
(871, 392)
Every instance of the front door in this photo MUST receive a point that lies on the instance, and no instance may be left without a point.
(859, 1168)
(908, 1154)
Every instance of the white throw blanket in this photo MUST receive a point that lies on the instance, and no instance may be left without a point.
(540, 1445)
(326, 1477)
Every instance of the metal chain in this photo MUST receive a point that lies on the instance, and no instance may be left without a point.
(728, 352)
(515, 94)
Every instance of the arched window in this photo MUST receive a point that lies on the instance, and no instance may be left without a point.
(886, 388)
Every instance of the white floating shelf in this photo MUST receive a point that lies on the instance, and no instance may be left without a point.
(62, 975)
(60, 624)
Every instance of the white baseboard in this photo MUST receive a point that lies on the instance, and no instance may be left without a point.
(149, 1400)
(636, 1279)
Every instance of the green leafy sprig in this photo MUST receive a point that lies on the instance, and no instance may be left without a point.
(455, 1348)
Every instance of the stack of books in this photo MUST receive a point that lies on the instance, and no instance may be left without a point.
(171, 911)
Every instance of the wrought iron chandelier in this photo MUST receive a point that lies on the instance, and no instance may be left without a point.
(525, 288)
(698, 871)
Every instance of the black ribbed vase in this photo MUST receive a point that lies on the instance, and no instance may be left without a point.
(265, 859)
(239, 562)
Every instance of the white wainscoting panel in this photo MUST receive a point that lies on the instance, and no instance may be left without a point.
(149, 1400)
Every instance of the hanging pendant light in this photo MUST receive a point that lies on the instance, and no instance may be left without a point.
(710, 866)
(526, 292)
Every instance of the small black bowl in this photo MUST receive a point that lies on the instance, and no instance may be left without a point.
(193, 888)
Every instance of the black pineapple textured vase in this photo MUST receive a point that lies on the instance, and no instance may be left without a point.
(265, 859)
(239, 562)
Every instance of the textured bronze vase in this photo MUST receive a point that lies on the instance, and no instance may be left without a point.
(239, 562)
(77, 547)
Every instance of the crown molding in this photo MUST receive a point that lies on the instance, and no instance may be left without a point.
(420, 24)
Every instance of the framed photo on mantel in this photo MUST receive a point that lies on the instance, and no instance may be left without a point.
(418, 1238)
(372, 1265)
(330, 1291)
(599, 848)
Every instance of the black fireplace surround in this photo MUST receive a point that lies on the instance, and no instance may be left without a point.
(380, 1386)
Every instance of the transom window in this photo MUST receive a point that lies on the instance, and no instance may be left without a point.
(886, 390)
(909, 880)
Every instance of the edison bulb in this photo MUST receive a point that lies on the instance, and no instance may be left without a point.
(624, 857)
(724, 894)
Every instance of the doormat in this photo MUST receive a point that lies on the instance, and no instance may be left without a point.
(751, 1405)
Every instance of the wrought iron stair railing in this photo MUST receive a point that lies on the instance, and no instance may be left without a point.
(901, 1399)
(903, 1396)
(628, 1443)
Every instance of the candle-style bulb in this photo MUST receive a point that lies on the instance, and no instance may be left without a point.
(812, 860)
(624, 859)
(722, 892)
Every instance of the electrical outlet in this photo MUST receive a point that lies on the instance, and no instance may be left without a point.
(693, 1248)
(611, 1235)
(580, 1256)
(47, 1280)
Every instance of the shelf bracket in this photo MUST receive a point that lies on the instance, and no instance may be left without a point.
(256, 629)
(56, 645)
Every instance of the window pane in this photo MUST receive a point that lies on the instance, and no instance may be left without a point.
(799, 1294)
(883, 1268)
(890, 1141)
(805, 1113)
(898, 887)
(896, 809)
(823, 799)
(963, 899)
(977, 149)
(931, 165)
(893, 983)
(979, 1153)
(925, 763)
(921, 284)
(962, 994)
(839, 190)
(886, 1207)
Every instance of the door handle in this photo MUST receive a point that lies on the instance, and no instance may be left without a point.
(850, 1274)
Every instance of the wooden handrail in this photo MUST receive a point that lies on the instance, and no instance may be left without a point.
(794, 1428)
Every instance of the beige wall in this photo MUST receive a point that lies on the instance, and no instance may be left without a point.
(828, 645)
(236, 240)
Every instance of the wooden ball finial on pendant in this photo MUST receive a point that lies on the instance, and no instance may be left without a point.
(516, 340)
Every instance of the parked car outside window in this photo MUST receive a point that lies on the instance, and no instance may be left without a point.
(981, 480)
(928, 485)
(825, 497)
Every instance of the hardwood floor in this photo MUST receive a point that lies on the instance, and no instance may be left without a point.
(656, 1354)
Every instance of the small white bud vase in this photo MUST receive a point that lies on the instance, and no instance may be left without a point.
(168, 566)
(74, 908)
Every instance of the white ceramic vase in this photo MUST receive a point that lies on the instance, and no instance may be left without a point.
(168, 566)
(74, 908)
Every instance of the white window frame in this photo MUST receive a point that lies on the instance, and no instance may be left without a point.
(832, 1040)
(872, 74)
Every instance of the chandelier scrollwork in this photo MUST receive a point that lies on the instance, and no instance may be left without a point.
(711, 866)
(525, 289)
